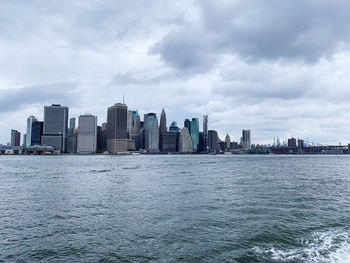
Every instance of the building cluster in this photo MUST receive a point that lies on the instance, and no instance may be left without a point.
(123, 132)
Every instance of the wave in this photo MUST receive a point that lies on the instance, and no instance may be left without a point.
(331, 247)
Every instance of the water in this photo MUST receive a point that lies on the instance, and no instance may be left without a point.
(178, 208)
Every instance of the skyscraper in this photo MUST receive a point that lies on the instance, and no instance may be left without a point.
(187, 124)
(168, 141)
(37, 132)
(246, 143)
(151, 132)
(15, 138)
(87, 134)
(205, 131)
(213, 140)
(30, 121)
(117, 128)
(185, 141)
(173, 127)
(71, 126)
(55, 127)
(228, 141)
(195, 133)
(102, 138)
(162, 126)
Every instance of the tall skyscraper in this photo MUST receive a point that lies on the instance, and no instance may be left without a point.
(205, 131)
(15, 138)
(205, 125)
(195, 133)
(246, 140)
(37, 132)
(162, 126)
(185, 141)
(87, 134)
(117, 128)
(71, 126)
(151, 132)
(30, 121)
(292, 142)
(187, 124)
(168, 141)
(55, 127)
(102, 138)
(227, 142)
(213, 140)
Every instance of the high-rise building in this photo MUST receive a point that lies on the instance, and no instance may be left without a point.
(117, 128)
(87, 134)
(195, 133)
(228, 142)
(55, 127)
(187, 124)
(102, 138)
(151, 132)
(300, 144)
(36, 132)
(168, 141)
(173, 127)
(185, 141)
(71, 126)
(292, 143)
(246, 139)
(162, 125)
(213, 140)
(15, 138)
(205, 125)
(30, 121)
(201, 146)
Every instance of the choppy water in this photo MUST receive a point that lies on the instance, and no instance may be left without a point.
(175, 208)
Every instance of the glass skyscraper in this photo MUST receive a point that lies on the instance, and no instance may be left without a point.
(151, 132)
(194, 131)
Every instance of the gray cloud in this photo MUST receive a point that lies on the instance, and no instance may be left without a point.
(15, 98)
(258, 30)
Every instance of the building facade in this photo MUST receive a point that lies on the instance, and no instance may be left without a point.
(246, 139)
(117, 128)
(151, 132)
(55, 127)
(15, 138)
(30, 121)
(36, 132)
(213, 140)
(168, 141)
(194, 131)
(162, 125)
(87, 134)
(185, 141)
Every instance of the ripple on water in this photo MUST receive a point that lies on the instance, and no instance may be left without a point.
(322, 247)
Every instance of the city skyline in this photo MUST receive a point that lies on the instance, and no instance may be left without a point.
(281, 78)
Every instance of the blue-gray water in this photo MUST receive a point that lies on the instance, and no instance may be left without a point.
(175, 208)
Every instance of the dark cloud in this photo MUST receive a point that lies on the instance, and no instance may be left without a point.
(258, 30)
(14, 99)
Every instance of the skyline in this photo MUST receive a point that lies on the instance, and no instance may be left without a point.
(286, 77)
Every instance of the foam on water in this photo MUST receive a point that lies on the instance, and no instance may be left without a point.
(331, 246)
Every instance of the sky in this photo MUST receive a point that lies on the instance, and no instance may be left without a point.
(278, 67)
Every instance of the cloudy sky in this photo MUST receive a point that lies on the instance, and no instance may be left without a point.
(277, 67)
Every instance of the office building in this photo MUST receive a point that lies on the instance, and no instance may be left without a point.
(228, 142)
(185, 141)
(187, 124)
(117, 128)
(300, 144)
(72, 127)
(292, 143)
(151, 132)
(168, 141)
(194, 131)
(205, 131)
(72, 142)
(87, 134)
(201, 146)
(36, 132)
(213, 140)
(162, 125)
(173, 127)
(246, 139)
(15, 138)
(55, 127)
(28, 141)
(102, 138)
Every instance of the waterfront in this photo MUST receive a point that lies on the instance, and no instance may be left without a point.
(175, 208)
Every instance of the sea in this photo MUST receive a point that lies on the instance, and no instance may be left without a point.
(175, 208)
